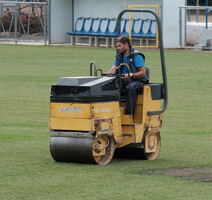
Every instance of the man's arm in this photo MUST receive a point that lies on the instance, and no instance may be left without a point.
(112, 70)
(140, 74)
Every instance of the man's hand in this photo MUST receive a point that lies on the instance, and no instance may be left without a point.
(125, 77)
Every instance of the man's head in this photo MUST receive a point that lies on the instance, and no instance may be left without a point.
(123, 44)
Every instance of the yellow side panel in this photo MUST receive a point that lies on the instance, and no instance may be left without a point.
(132, 134)
(154, 105)
(148, 103)
(69, 110)
(71, 124)
(128, 132)
(139, 132)
(126, 120)
(117, 130)
(105, 110)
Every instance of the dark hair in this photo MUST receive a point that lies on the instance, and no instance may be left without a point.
(124, 40)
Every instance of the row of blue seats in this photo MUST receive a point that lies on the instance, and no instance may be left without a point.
(145, 28)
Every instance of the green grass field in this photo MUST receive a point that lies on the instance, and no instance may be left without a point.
(27, 170)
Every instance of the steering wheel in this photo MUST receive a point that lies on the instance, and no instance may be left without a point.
(112, 75)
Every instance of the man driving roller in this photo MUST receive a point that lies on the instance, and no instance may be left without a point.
(135, 61)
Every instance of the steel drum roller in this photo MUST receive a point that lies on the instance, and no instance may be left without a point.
(69, 149)
(82, 150)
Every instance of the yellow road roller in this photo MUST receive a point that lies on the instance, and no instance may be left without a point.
(88, 123)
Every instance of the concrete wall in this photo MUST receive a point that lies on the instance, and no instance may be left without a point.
(60, 20)
(170, 17)
(106, 8)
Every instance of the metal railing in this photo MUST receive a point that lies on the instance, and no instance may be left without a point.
(184, 15)
(23, 21)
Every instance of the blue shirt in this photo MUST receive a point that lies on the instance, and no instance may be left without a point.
(138, 60)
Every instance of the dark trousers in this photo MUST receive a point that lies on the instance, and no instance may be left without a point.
(135, 87)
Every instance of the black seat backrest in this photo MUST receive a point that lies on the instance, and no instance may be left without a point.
(147, 72)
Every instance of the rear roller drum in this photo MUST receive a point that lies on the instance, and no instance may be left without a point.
(152, 143)
(148, 149)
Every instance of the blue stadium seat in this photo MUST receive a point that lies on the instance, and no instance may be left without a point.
(87, 26)
(104, 26)
(123, 25)
(112, 28)
(79, 26)
(153, 29)
(137, 28)
(146, 28)
(126, 28)
(95, 29)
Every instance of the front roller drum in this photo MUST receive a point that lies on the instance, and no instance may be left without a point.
(83, 150)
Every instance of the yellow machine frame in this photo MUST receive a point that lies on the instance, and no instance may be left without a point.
(110, 119)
